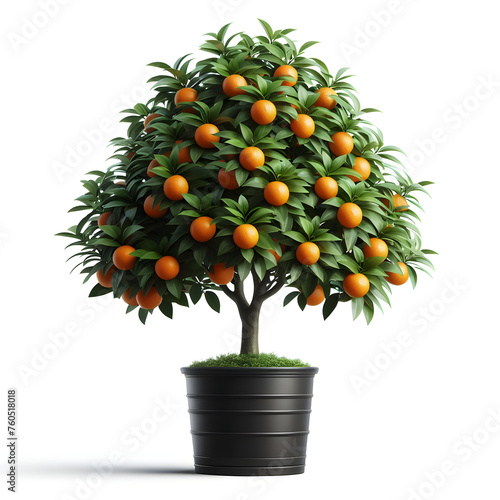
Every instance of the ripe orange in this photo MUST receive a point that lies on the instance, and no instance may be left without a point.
(303, 127)
(151, 300)
(167, 268)
(376, 248)
(263, 112)
(277, 256)
(287, 70)
(103, 219)
(131, 300)
(174, 187)
(276, 193)
(204, 135)
(252, 158)
(149, 118)
(184, 156)
(246, 236)
(130, 155)
(349, 215)
(122, 258)
(227, 179)
(326, 188)
(307, 253)
(399, 279)
(202, 229)
(324, 100)
(400, 203)
(152, 164)
(153, 211)
(186, 94)
(230, 84)
(221, 275)
(105, 279)
(356, 285)
(342, 144)
(362, 167)
(317, 297)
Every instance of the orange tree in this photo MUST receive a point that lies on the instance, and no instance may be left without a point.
(257, 162)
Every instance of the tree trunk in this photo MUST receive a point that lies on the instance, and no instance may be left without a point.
(250, 312)
(250, 329)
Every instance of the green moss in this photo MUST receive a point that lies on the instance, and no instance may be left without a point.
(248, 360)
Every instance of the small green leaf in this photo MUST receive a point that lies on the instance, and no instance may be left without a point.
(213, 300)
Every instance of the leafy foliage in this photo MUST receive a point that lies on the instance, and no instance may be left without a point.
(122, 189)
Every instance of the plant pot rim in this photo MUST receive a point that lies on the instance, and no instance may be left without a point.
(231, 371)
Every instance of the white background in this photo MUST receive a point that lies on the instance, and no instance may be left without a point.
(380, 427)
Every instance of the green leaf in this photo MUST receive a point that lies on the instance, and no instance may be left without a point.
(357, 306)
(99, 290)
(174, 287)
(330, 304)
(213, 300)
(290, 297)
(267, 28)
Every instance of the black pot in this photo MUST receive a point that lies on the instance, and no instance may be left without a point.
(249, 421)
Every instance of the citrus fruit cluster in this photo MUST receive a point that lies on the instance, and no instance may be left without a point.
(255, 161)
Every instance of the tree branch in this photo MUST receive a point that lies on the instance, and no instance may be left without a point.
(279, 283)
(238, 295)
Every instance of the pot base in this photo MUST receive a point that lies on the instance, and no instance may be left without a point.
(249, 471)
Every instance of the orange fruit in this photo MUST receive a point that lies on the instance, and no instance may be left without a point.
(149, 118)
(227, 179)
(221, 275)
(303, 126)
(307, 253)
(276, 193)
(376, 248)
(252, 158)
(149, 300)
(231, 83)
(167, 268)
(326, 188)
(184, 156)
(263, 112)
(186, 94)
(277, 256)
(152, 164)
(400, 204)
(174, 187)
(202, 229)
(104, 279)
(204, 135)
(324, 100)
(287, 70)
(131, 300)
(103, 219)
(130, 155)
(349, 215)
(246, 236)
(399, 279)
(153, 211)
(362, 167)
(356, 285)
(122, 258)
(342, 144)
(317, 297)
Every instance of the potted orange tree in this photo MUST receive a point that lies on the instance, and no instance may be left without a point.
(253, 171)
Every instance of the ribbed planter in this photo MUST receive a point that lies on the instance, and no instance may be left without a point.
(249, 421)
